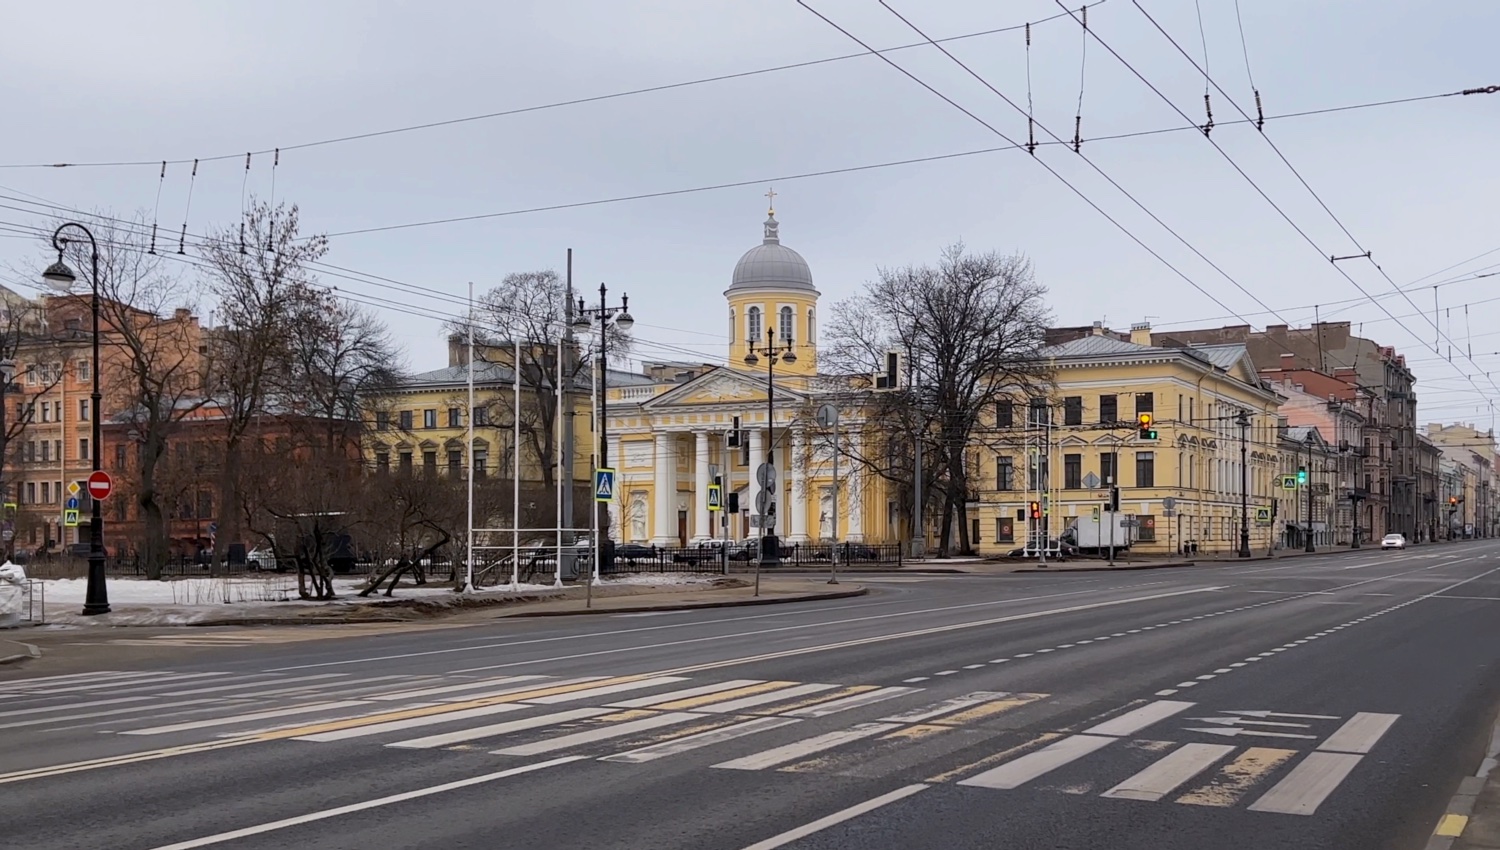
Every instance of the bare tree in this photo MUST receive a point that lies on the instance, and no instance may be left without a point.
(341, 358)
(38, 352)
(970, 330)
(262, 284)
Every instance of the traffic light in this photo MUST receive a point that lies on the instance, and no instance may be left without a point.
(1147, 432)
(1036, 510)
(1301, 475)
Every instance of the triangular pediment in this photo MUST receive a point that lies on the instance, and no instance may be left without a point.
(722, 386)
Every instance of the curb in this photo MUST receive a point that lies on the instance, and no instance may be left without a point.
(1455, 819)
(691, 606)
(30, 652)
(1114, 569)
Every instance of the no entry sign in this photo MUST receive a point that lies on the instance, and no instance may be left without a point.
(100, 485)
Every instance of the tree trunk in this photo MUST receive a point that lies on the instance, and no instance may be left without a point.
(154, 546)
(230, 503)
(958, 492)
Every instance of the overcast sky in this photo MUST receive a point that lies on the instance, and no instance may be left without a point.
(1415, 183)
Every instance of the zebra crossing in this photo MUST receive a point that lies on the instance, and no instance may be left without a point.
(1147, 752)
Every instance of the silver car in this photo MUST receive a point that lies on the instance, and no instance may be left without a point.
(1393, 541)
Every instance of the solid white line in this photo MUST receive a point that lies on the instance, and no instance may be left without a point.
(496, 729)
(701, 739)
(836, 818)
(806, 747)
(1308, 785)
(1360, 733)
(1162, 777)
(761, 699)
(1018, 772)
(685, 693)
(1132, 722)
(448, 689)
(244, 718)
(947, 706)
(867, 698)
(607, 689)
(603, 733)
(410, 723)
(359, 807)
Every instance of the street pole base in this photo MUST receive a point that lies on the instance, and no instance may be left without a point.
(91, 609)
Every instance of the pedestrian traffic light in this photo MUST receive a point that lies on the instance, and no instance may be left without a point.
(1301, 475)
(1147, 432)
(1036, 510)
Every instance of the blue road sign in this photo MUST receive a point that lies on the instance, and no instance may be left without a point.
(72, 503)
(604, 485)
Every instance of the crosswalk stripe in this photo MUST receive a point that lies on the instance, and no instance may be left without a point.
(685, 693)
(244, 718)
(761, 699)
(806, 747)
(1014, 774)
(1134, 721)
(1308, 785)
(1164, 776)
(938, 709)
(71, 705)
(463, 686)
(348, 688)
(409, 723)
(607, 689)
(500, 692)
(707, 699)
(110, 713)
(43, 682)
(157, 681)
(1234, 779)
(615, 730)
(856, 701)
(496, 729)
(1360, 733)
(700, 739)
(243, 685)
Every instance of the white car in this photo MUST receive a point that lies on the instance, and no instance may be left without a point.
(261, 558)
(1393, 541)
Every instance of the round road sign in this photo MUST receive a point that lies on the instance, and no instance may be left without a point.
(100, 485)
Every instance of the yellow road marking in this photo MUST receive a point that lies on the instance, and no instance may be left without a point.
(826, 697)
(915, 732)
(1237, 777)
(987, 709)
(1452, 826)
(721, 696)
(1003, 755)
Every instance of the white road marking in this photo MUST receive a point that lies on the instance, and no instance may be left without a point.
(836, 818)
(1134, 721)
(1164, 776)
(71, 705)
(1166, 693)
(672, 696)
(359, 807)
(945, 672)
(915, 679)
(258, 684)
(972, 666)
(1264, 714)
(1018, 772)
(165, 680)
(410, 723)
(496, 729)
(554, 683)
(448, 689)
(245, 718)
(947, 706)
(614, 730)
(824, 709)
(701, 739)
(607, 689)
(806, 747)
(110, 713)
(1308, 785)
(1360, 733)
(761, 699)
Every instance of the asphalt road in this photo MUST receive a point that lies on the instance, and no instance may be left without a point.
(1325, 702)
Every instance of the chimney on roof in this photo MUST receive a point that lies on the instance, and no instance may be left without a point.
(1276, 330)
(1140, 333)
(1288, 361)
(1098, 329)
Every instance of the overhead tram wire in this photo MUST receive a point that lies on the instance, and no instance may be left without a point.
(527, 109)
(1267, 198)
(1360, 247)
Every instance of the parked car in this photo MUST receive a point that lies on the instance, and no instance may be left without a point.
(261, 558)
(1393, 541)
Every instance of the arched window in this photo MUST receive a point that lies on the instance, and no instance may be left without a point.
(731, 324)
(788, 320)
(753, 328)
(812, 327)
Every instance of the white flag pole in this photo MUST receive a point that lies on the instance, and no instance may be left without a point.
(557, 425)
(469, 560)
(515, 524)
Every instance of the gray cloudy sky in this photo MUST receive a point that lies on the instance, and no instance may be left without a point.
(1416, 183)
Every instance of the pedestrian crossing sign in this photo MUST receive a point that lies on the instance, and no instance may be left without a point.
(604, 485)
(1262, 514)
(715, 502)
(70, 518)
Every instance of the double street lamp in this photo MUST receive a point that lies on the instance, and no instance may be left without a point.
(773, 351)
(602, 317)
(96, 598)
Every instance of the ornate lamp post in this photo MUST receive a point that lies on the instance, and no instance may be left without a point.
(96, 598)
(7, 374)
(770, 550)
(1243, 420)
(601, 317)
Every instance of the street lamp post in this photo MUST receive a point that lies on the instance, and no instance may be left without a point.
(1244, 423)
(96, 598)
(602, 316)
(773, 352)
(1309, 531)
(7, 374)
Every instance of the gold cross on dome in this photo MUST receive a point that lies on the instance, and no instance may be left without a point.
(771, 199)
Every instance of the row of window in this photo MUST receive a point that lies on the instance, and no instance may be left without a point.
(405, 458)
(49, 411)
(1040, 410)
(47, 374)
(1109, 471)
(405, 419)
(44, 451)
(43, 493)
(755, 327)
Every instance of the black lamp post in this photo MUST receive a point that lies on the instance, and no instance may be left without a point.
(1309, 535)
(1244, 422)
(769, 548)
(583, 318)
(96, 599)
(7, 374)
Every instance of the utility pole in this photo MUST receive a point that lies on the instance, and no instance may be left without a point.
(565, 365)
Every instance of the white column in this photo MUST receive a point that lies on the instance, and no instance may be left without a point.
(797, 521)
(703, 517)
(757, 457)
(615, 505)
(665, 488)
(854, 492)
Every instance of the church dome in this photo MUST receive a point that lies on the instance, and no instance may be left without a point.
(772, 265)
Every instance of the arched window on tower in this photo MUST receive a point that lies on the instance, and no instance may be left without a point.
(812, 327)
(788, 321)
(753, 328)
(731, 324)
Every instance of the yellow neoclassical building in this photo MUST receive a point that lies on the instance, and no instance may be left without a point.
(672, 439)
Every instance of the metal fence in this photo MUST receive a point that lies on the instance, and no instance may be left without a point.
(736, 555)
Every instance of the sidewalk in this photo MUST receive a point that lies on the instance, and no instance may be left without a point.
(1472, 821)
(772, 591)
